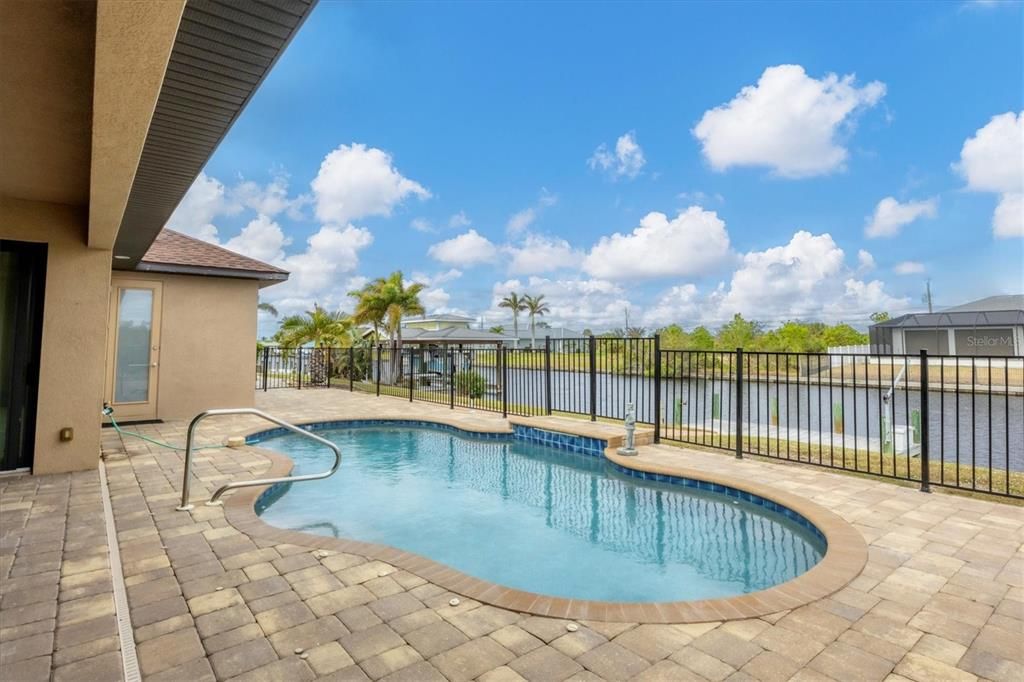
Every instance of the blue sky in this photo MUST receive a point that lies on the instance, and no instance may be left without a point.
(682, 161)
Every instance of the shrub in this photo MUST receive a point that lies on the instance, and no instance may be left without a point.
(470, 384)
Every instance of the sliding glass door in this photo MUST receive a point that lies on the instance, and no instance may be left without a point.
(22, 288)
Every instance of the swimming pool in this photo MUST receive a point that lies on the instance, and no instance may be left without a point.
(540, 519)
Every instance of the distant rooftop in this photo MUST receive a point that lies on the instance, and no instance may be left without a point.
(440, 317)
(452, 335)
(177, 253)
(993, 311)
(990, 303)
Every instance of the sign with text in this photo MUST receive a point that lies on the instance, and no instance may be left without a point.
(984, 342)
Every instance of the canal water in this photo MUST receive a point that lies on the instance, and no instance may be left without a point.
(978, 428)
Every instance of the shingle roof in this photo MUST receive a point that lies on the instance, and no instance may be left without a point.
(176, 252)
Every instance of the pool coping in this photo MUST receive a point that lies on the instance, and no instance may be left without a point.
(845, 556)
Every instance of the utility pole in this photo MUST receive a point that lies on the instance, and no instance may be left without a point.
(928, 293)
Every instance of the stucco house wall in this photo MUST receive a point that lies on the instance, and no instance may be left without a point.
(207, 342)
(71, 370)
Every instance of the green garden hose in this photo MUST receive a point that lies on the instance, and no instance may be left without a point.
(108, 412)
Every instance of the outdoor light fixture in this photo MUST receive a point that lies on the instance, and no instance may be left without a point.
(122, 257)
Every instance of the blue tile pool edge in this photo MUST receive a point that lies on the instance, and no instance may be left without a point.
(728, 491)
(561, 441)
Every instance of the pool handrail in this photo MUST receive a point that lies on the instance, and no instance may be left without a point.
(215, 500)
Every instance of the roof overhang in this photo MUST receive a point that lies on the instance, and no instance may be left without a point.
(133, 43)
(221, 52)
(265, 278)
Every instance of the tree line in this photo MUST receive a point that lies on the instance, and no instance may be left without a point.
(793, 336)
(385, 301)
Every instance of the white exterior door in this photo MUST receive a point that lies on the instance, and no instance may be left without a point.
(133, 353)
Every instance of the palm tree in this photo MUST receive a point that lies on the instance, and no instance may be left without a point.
(267, 308)
(498, 329)
(516, 305)
(321, 327)
(370, 306)
(384, 301)
(535, 306)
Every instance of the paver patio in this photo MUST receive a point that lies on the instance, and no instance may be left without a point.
(941, 597)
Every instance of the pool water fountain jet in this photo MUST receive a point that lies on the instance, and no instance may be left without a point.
(629, 449)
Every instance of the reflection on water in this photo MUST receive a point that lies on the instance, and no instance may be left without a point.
(539, 519)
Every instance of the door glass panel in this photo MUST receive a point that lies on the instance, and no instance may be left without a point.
(134, 326)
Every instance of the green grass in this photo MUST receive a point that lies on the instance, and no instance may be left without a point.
(869, 463)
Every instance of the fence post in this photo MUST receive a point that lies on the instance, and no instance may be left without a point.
(449, 368)
(657, 388)
(739, 403)
(504, 380)
(300, 368)
(330, 362)
(378, 368)
(547, 375)
(266, 361)
(351, 368)
(412, 371)
(593, 377)
(925, 470)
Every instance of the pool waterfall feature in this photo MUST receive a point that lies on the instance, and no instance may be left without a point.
(645, 553)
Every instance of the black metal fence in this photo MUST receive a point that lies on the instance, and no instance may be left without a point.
(933, 420)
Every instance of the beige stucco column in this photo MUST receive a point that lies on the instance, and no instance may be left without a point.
(133, 44)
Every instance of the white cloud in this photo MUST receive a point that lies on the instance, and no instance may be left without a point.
(356, 181)
(323, 273)
(208, 199)
(625, 161)
(269, 199)
(680, 305)
(469, 248)
(578, 302)
(261, 239)
(908, 267)
(205, 200)
(695, 242)
(422, 225)
(435, 300)
(1008, 220)
(522, 220)
(890, 216)
(788, 122)
(459, 221)
(993, 161)
(807, 278)
(540, 253)
(700, 197)
(865, 260)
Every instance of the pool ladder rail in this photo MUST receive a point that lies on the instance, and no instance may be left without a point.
(215, 500)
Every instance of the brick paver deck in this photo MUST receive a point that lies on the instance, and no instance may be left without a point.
(941, 597)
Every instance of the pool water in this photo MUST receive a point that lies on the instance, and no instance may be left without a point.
(536, 518)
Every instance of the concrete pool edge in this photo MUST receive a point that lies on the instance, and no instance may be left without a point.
(845, 557)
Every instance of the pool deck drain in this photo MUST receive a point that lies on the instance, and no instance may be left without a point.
(941, 595)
